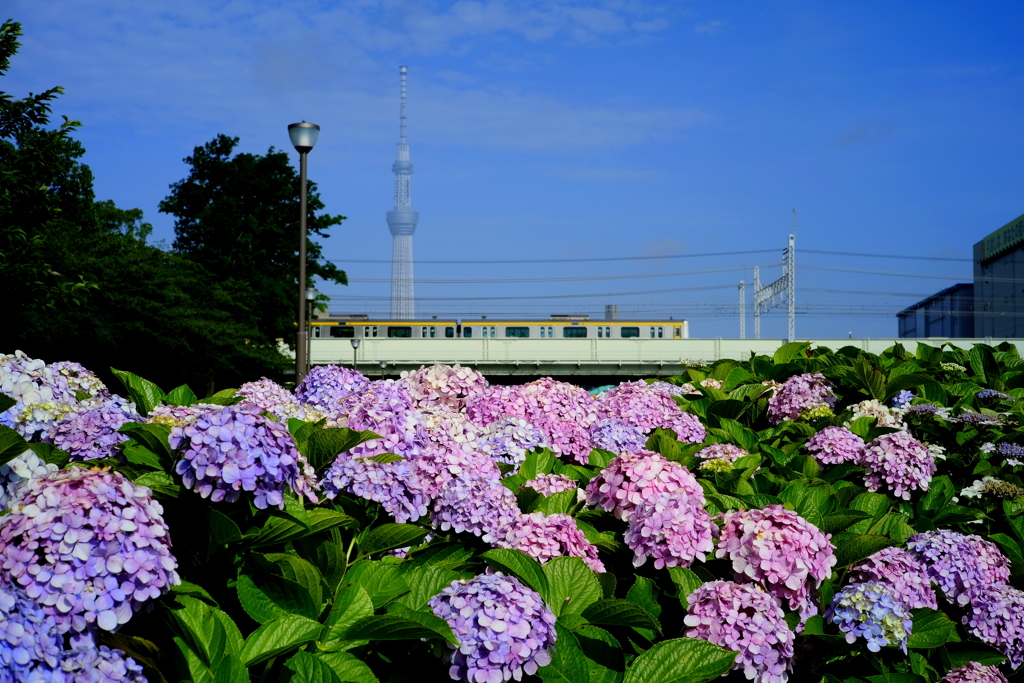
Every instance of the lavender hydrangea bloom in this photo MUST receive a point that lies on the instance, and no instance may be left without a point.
(30, 647)
(394, 484)
(647, 407)
(451, 448)
(673, 389)
(798, 395)
(547, 484)
(959, 563)
(902, 398)
(89, 546)
(179, 416)
(234, 450)
(504, 628)
(901, 570)
(91, 433)
(43, 396)
(722, 451)
(509, 438)
(80, 378)
(996, 617)
(873, 611)
(16, 472)
(971, 417)
(687, 427)
(900, 462)
(567, 439)
(476, 504)
(535, 402)
(834, 445)
(327, 385)
(992, 393)
(1013, 454)
(974, 672)
(544, 537)
(266, 395)
(617, 436)
(780, 549)
(746, 619)
(672, 528)
(632, 478)
(91, 664)
(446, 385)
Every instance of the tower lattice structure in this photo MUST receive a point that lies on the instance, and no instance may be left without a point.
(402, 222)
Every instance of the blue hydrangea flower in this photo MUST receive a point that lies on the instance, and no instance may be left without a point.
(30, 647)
(327, 385)
(504, 628)
(617, 436)
(91, 432)
(476, 504)
(902, 398)
(873, 611)
(509, 438)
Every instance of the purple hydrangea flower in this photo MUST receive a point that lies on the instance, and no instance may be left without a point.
(974, 673)
(970, 417)
(509, 438)
(996, 617)
(567, 439)
(900, 462)
(446, 385)
(722, 451)
(87, 663)
(992, 393)
(179, 416)
(672, 528)
(902, 398)
(780, 549)
(30, 647)
(91, 433)
(959, 563)
(873, 611)
(394, 484)
(1013, 454)
(535, 402)
(687, 427)
(89, 546)
(79, 378)
(504, 628)
(16, 472)
(43, 396)
(645, 406)
(833, 445)
(451, 447)
(673, 389)
(742, 617)
(617, 436)
(327, 385)
(235, 449)
(901, 570)
(476, 504)
(266, 395)
(800, 394)
(632, 478)
(543, 537)
(547, 484)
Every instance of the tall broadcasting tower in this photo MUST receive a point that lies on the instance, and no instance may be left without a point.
(402, 223)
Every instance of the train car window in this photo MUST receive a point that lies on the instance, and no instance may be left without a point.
(343, 332)
(608, 332)
(661, 332)
(423, 332)
(551, 332)
(629, 332)
(449, 332)
(519, 332)
(316, 332)
(399, 332)
(678, 332)
(492, 331)
(574, 332)
(652, 332)
(600, 332)
(543, 332)
(467, 332)
(433, 332)
(374, 329)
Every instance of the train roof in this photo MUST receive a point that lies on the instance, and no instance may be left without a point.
(484, 320)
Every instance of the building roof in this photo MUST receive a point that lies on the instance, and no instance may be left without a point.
(938, 295)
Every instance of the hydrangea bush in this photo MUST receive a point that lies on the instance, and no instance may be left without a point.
(817, 514)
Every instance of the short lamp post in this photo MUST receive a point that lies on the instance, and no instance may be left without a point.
(303, 136)
(383, 365)
(311, 294)
(355, 351)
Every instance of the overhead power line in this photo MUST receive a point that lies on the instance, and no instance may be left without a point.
(343, 297)
(577, 278)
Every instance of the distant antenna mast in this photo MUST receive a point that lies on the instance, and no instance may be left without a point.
(782, 290)
(743, 310)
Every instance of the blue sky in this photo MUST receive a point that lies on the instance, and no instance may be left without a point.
(580, 130)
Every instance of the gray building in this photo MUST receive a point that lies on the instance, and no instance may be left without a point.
(999, 282)
(949, 313)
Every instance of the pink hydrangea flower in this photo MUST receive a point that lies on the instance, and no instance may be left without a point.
(544, 537)
(447, 385)
(632, 478)
(974, 673)
(779, 549)
(899, 462)
(800, 394)
(833, 445)
(547, 484)
(744, 618)
(672, 528)
(722, 451)
(901, 570)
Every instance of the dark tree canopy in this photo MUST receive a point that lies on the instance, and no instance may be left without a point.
(237, 216)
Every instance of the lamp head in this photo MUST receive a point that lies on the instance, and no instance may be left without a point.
(303, 136)
(355, 343)
(311, 294)
(383, 364)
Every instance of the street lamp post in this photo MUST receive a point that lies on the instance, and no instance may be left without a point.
(311, 294)
(383, 365)
(303, 136)
(355, 349)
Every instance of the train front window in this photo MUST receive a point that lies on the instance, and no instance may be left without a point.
(343, 332)
(629, 332)
(575, 332)
(399, 332)
(518, 332)
(449, 332)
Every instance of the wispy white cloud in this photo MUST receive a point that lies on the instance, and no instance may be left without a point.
(710, 28)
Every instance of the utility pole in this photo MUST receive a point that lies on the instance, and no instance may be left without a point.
(743, 310)
(783, 289)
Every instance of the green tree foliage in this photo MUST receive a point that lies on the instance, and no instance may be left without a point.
(237, 216)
